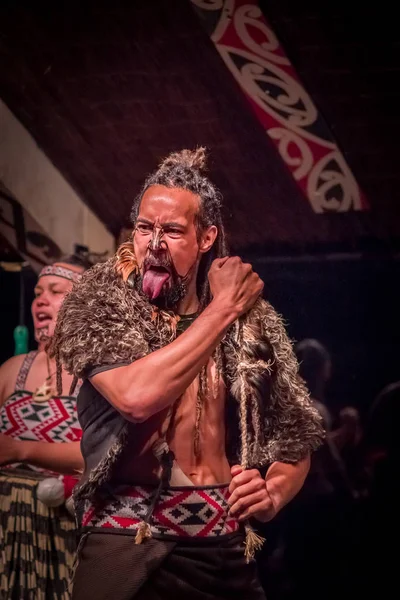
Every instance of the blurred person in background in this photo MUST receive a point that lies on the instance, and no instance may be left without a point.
(316, 370)
(382, 438)
(374, 572)
(40, 455)
(343, 444)
(315, 526)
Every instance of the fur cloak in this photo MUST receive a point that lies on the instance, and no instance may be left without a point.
(105, 320)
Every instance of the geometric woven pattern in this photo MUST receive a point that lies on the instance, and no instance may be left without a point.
(24, 370)
(58, 271)
(180, 512)
(54, 420)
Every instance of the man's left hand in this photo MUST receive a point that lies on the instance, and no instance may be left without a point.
(249, 496)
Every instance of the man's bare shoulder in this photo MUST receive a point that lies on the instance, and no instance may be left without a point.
(8, 375)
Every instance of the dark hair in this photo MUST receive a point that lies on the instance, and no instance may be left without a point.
(79, 258)
(185, 170)
(312, 357)
(383, 416)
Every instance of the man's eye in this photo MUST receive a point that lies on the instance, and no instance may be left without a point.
(143, 228)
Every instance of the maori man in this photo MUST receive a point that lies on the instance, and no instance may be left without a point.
(195, 421)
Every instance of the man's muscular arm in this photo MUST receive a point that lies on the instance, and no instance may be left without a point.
(254, 496)
(154, 382)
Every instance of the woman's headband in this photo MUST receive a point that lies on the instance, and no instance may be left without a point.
(58, 271)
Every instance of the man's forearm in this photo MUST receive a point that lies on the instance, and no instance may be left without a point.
(154, 382)
(64, 458)
(285, 480)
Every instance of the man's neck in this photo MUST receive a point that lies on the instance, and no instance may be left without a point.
(188, 305)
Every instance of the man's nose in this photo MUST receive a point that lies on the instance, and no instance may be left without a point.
(157, 243)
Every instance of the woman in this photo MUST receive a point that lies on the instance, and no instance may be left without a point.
(40, 455)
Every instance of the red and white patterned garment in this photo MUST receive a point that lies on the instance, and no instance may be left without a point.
(180, 512)
(39, 547)
(54, 420)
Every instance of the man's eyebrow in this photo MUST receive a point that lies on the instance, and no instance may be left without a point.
(163, 225)
(173, 224)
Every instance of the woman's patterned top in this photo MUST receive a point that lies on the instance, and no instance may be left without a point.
(53, 420)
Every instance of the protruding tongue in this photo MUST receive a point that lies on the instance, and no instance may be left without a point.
(153, 282)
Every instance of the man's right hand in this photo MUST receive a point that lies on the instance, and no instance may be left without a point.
(234, 285)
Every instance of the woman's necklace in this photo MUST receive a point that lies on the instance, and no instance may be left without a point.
(45, 391)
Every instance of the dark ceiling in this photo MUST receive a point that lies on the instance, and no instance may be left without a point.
(108, 88)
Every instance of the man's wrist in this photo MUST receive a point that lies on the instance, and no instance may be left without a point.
(284, 480)
(227, 314)
(275, 492)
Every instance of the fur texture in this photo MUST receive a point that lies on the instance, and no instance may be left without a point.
(104, 320)
(277, 419)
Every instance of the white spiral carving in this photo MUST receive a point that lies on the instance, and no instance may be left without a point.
(250, 15)
(301, 164)
(293, 107)
(264, 73)
(322, 180)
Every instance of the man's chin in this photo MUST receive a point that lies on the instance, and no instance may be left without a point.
(169, 297)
